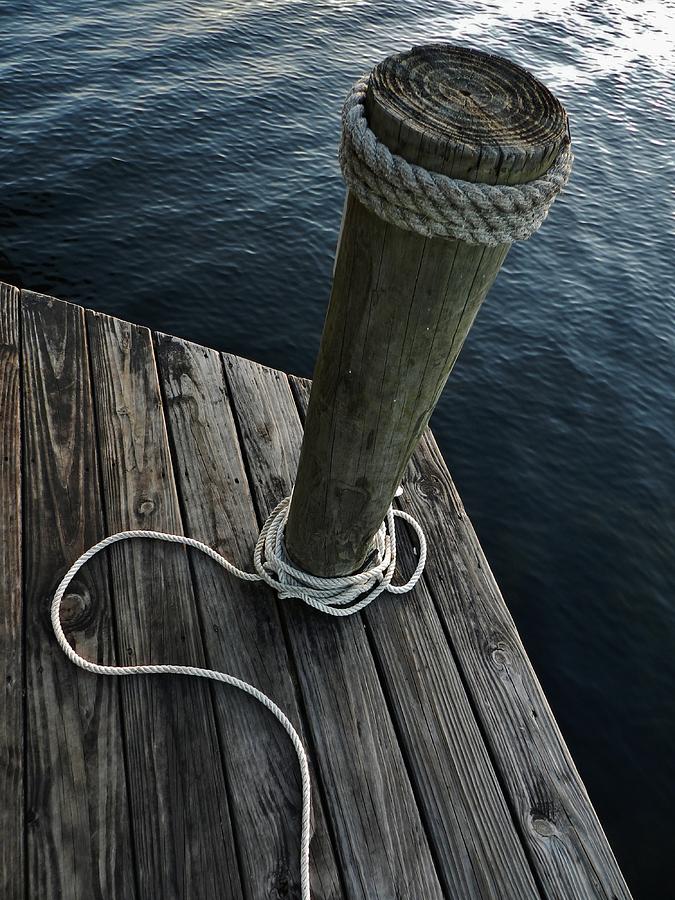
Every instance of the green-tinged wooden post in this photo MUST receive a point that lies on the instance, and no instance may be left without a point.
(402, 304)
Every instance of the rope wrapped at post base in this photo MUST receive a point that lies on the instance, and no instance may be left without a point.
(334, 596)
(432, 204)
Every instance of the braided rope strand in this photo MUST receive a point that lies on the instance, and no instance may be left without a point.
(435, 205)
(334, 596)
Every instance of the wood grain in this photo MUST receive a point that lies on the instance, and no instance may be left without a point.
(436, 756)
(77, 815)
(11, 626)
(182, 830)
(401, 304)
(477, 850)
(467, 114)
(565, 841)
(379, 837)
(242, 631)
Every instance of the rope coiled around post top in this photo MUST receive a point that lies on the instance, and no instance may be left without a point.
(432, 204)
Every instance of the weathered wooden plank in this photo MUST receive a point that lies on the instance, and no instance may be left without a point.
(565, 840)
(182, 828)
(477, 849)
(379, 836)
(242, 631)
(76, 802)
(11, 636)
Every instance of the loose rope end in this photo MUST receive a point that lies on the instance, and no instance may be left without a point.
(334, 596)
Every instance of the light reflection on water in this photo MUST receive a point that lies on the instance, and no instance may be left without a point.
(174, 163)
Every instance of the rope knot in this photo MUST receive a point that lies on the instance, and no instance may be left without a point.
(343, 595)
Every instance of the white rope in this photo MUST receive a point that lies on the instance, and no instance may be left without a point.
(335, 596)
(432, 204)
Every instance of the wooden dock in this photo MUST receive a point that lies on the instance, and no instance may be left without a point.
(438, 768)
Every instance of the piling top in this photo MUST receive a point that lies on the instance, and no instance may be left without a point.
(466, 114)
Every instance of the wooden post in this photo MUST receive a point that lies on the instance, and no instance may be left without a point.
(402, 304)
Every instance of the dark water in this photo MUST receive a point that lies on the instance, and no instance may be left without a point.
(174, 163)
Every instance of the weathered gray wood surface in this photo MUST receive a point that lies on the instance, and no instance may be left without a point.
(401, 304)
(11, 626)
(476, 848)
(77, 822)
(242, 631)
(353, 738)
(555, 817)
(433, 777)
(177, 774)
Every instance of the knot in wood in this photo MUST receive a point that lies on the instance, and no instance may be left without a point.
(145, 506)
(76, 610)
(542, 826)
(500, 658)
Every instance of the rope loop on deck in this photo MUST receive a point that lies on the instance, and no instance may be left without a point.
(433, 204)
(342, 596)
